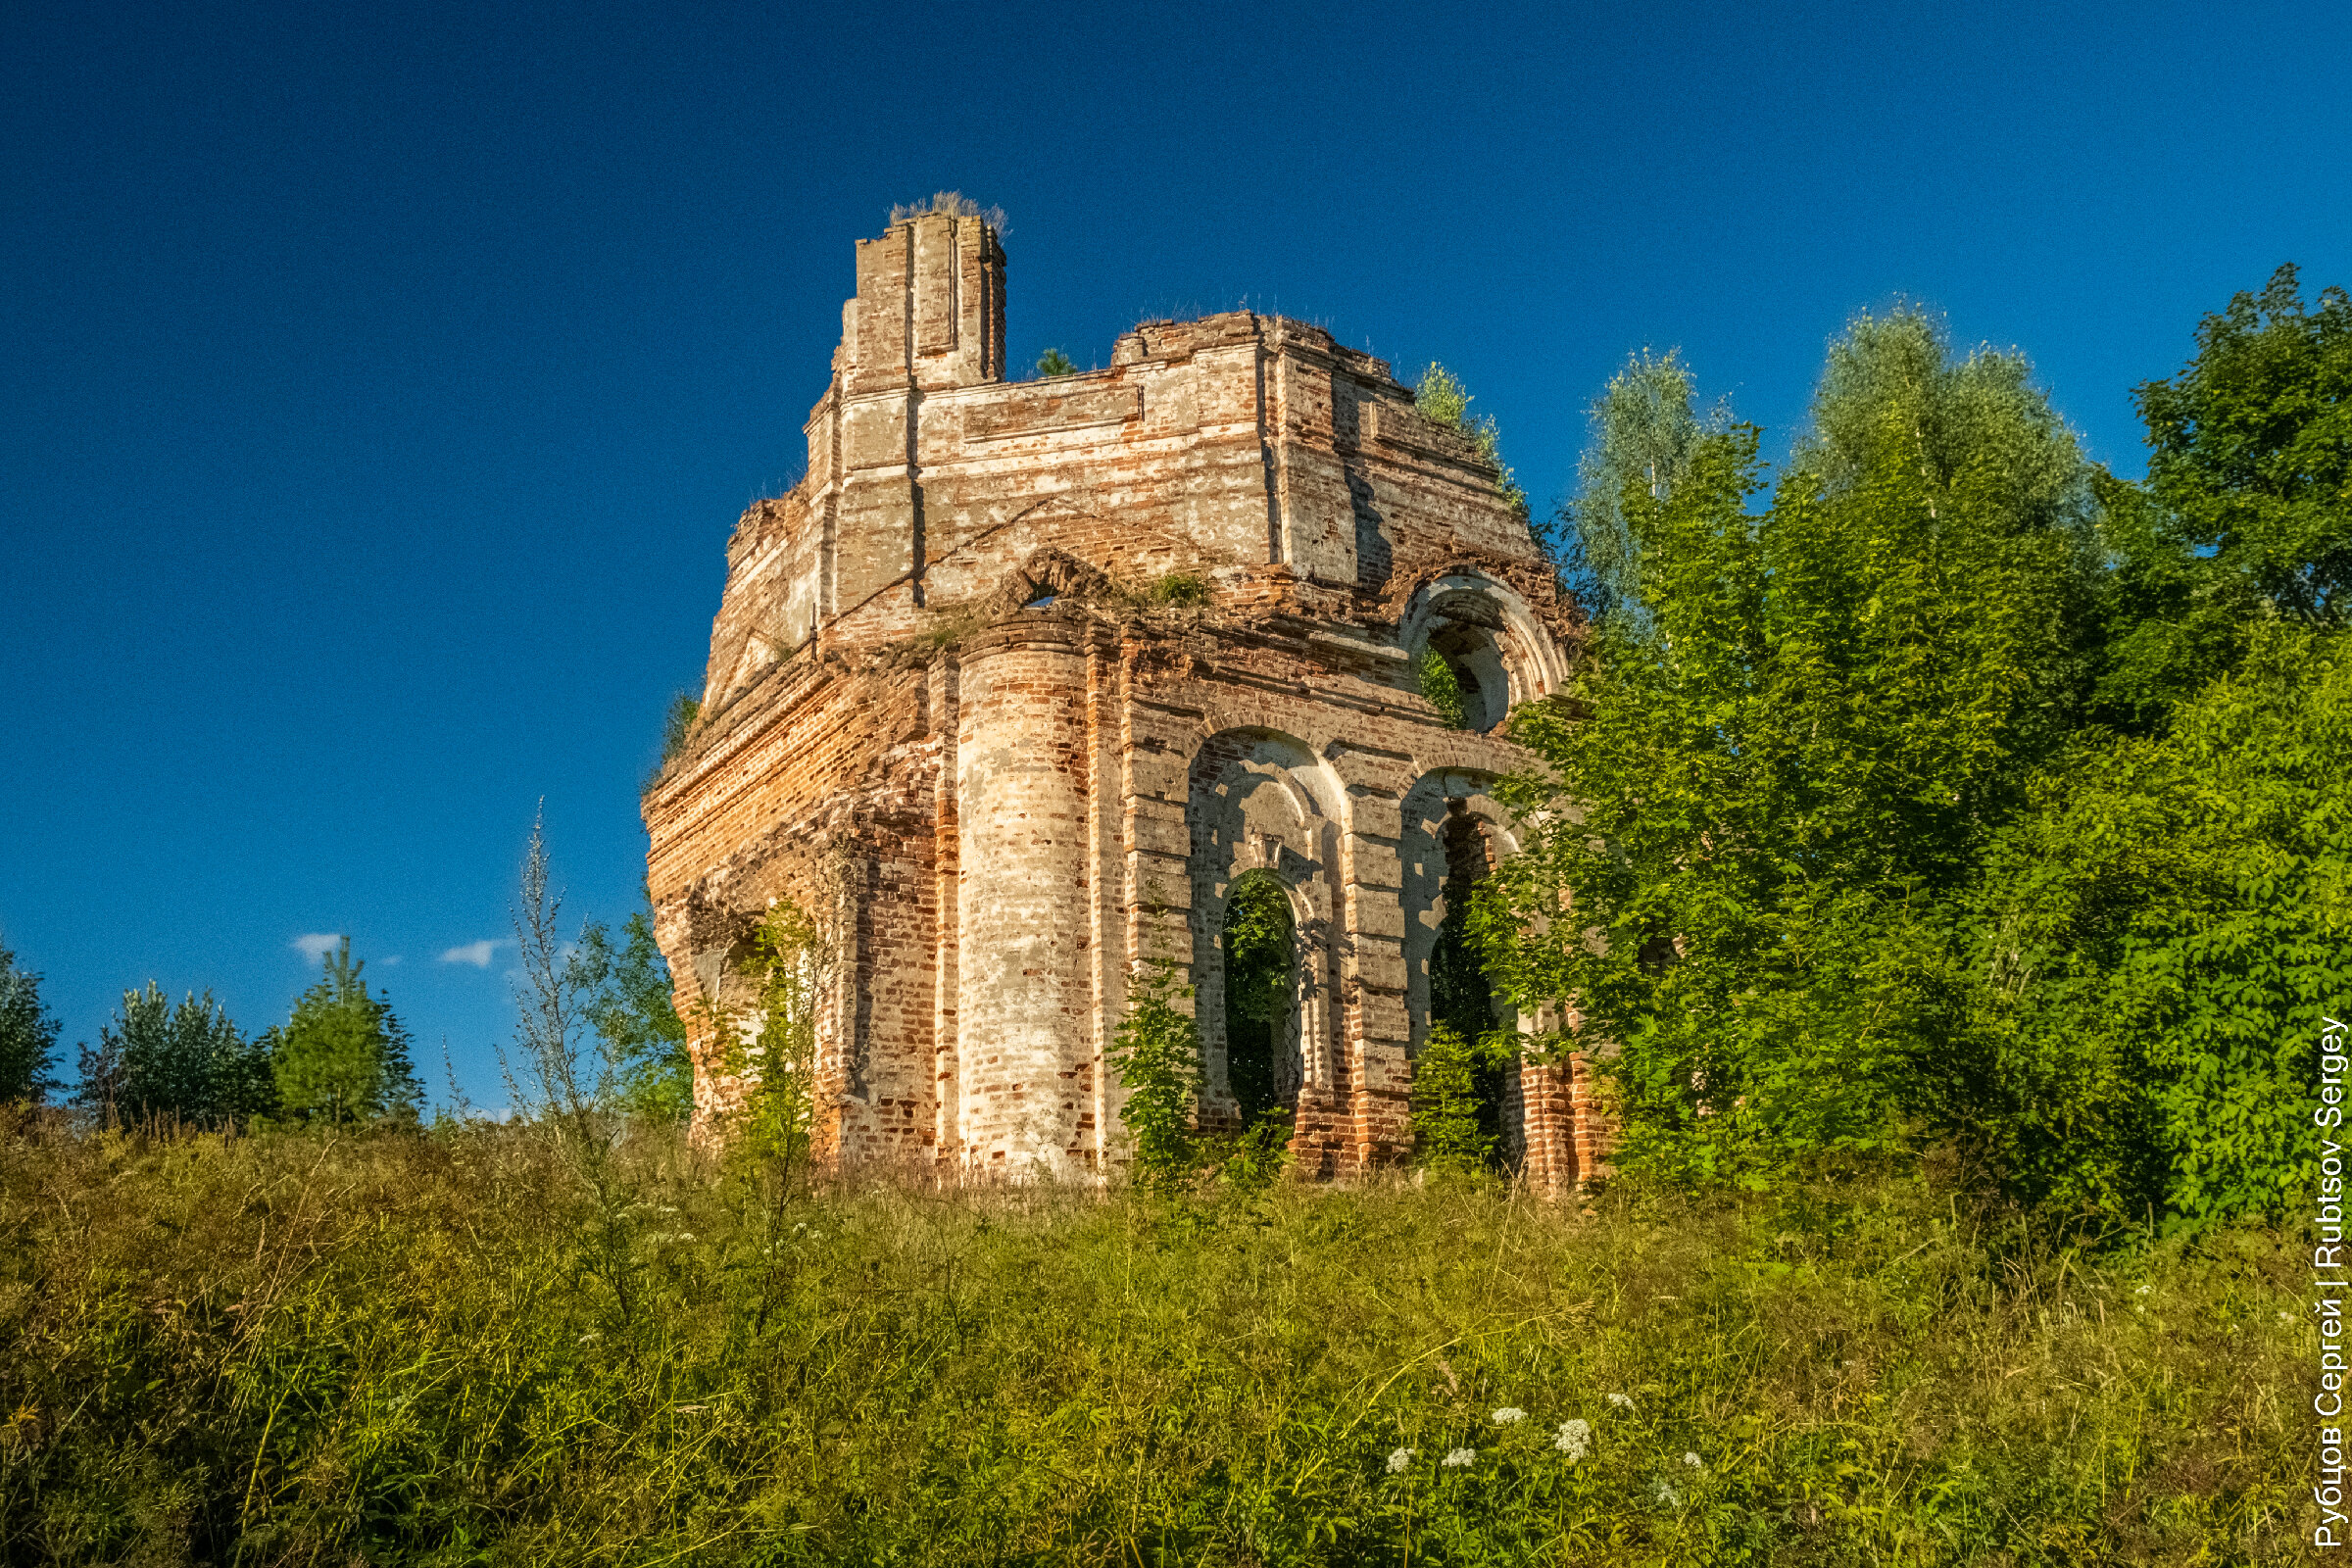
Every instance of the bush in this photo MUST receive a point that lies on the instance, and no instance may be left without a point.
(1157, 1053)
(1452, 1124)
(1179, 588)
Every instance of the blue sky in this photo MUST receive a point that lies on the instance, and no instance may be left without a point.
(379, 384)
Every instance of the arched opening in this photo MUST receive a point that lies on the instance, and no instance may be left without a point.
(1262, 994)
(1460, 998)
(1474, 668)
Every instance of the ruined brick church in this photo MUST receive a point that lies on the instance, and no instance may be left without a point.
(1022, 675)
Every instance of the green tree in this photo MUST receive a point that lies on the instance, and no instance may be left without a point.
(187, 1062)
(2251, 448)
(1643, 431)
(1747, 862)
(344, 1054)
(630, 1006)
(1055, 363)
(2157, 941)
(27, 1033)
(2247, 513)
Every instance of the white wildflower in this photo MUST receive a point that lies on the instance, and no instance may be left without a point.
(1622, 1401)
(1669, 1497)
(1693, 1461)
(1400, 1460)
(2143, 1290)
(1508, 1414)
(1575, 1440)
(1459, 1457)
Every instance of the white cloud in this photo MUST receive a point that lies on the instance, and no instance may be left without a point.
(317, 944)
(389, 963)
(476, 953)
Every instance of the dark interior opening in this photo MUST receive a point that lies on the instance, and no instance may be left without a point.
(1459, 995)
(1468, 652)
(1261, 986)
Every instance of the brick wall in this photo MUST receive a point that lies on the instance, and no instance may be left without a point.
(998, 806)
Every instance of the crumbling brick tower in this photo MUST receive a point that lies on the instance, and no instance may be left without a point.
(1020, 677)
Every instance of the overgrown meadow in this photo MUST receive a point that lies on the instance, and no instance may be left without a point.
(423, 1347)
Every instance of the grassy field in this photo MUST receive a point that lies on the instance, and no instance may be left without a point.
(430, 1349)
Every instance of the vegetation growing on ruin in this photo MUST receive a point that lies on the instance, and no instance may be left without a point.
(954, 204)
(1261, 982)
(1964, 801)
(1454, 1100)
(1440, 397)
(1182, 589)
(677, 724)
(393, 1347)
(1157, 1053)
(1055, 363)
(1441, 688)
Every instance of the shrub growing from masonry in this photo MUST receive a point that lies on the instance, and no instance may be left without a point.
(1441, 688)
(1440, 397)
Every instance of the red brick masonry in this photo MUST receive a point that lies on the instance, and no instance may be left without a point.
(998, 806)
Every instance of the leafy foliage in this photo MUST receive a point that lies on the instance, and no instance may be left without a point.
(1157, 1053)
(27, 1033)
(1055, 363)
(1796, 757)
(1965, 795)
(1644, 431)
(344, 1054)
(1441, 688)
(1452, 1106)
(2251, 450)
(630, 1007)
(1178, 588)
(2245, 516)
(773, 1053)
(2164, 935)
(186, 1064)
